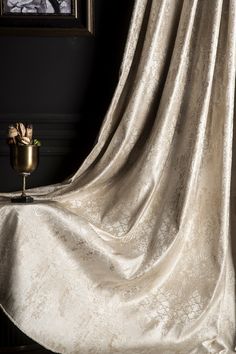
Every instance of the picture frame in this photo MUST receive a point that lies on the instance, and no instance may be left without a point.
(47, 17)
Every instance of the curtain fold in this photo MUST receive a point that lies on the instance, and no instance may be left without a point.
(132, 254)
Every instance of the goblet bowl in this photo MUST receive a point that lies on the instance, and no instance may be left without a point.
(24, 160)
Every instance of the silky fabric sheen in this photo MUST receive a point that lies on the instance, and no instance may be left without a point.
(132, 254)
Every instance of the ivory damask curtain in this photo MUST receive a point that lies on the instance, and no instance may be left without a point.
(132, 254)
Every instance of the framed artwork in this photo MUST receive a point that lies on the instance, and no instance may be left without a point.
(46, 17)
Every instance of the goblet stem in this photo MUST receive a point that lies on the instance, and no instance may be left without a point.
(24, 175)
(23, 184)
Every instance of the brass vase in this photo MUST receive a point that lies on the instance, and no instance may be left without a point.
(24, 160)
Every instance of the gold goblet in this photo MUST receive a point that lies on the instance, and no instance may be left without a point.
(24, 160)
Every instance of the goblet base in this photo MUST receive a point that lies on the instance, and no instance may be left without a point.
(22, 199)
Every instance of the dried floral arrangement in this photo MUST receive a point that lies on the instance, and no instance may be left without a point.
(20, 134)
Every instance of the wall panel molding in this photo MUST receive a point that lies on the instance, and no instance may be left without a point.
(57, 132)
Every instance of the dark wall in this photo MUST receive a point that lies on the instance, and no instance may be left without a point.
(63, 85)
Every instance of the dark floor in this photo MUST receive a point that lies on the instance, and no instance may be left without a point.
(27, 349)
(12, 340)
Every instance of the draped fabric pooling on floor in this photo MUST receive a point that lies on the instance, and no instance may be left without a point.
(132, 254)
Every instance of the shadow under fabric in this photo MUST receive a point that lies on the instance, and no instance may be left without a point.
(132, 254)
